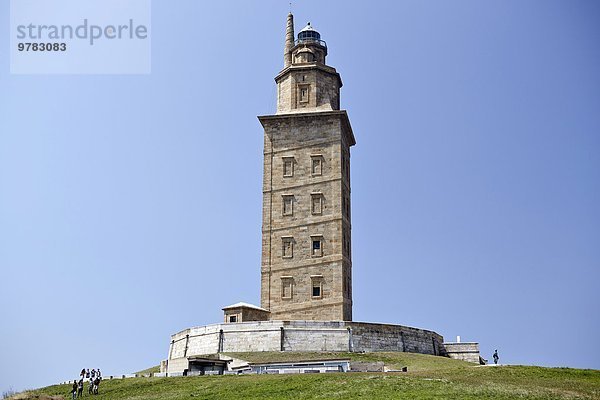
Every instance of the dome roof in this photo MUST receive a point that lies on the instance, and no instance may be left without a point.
(308, 27)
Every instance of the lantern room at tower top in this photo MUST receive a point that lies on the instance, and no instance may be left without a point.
(308, 35)
(306, 83)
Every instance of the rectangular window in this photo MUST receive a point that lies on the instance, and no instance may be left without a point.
(316, 203)
(287, 250)
(233, 318)
(288, 166)
(286, 287)
(317, 287)
(317, 246)
(317, 165)
(316, 291)
(303, 89)
(288, 204)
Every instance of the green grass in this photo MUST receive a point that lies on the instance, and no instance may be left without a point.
(394, 360)
(428, 377)
(150, 370)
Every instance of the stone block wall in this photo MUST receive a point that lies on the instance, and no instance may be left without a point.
(301, 138)
(250, 338)
(308, 336)
(315, 336)
(323, 84)
(466, 351)
(243, 314)
(194, 341)
(176, 365)
(371, 337)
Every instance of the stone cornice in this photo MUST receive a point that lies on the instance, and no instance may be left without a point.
(304, 67)
(342, 114)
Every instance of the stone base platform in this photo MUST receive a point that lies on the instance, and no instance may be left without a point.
(305, 336)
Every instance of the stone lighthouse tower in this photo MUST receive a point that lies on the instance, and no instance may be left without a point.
(306, 271)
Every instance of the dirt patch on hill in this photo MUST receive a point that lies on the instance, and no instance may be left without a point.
(31, 396)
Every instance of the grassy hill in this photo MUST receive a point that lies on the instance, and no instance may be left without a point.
(428, 377)
(150, 370)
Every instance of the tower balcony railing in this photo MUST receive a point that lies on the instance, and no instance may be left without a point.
(310, 40)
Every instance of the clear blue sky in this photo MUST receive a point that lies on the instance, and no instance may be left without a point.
(130, 206)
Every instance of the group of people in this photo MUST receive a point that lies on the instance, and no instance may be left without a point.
(93, 377)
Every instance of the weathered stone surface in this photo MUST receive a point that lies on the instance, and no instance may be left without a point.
(301, 138)
(177, 365)
(308, 336)
(466, 351)
(242, 312)
(306, 192)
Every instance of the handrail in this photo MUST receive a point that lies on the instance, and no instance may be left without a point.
(311, 40)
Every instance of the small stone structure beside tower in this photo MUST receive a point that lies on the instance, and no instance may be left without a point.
(306, 269)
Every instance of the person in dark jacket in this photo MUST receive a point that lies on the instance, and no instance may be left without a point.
(495, 356)
(74, 390)
(80, 388)
(96, 385)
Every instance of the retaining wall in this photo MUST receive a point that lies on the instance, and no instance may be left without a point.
(309, 336)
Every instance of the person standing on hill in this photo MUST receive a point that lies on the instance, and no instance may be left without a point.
(495, 356)
(80, 388)
(74, 390)
(91, 386)
(96, 385)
